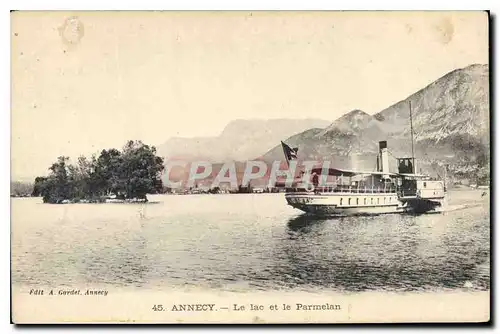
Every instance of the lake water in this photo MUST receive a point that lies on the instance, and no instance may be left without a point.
(248, 242)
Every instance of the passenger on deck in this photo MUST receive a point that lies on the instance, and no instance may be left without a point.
(315, 181)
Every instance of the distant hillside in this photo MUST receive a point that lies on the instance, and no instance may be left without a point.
(20, 189)
(451, 126)
(240, 140)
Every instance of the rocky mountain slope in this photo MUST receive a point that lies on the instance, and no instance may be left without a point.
(450, 120)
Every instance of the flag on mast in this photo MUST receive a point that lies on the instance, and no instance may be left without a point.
(290, 153)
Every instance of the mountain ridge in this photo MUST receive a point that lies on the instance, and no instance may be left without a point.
(450, 121)
(240, 139)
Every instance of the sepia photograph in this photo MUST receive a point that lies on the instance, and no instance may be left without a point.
(250, 167)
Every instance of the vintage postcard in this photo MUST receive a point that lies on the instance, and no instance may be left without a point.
(223, 167)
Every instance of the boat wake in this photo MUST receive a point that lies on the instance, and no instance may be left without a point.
(456, 207)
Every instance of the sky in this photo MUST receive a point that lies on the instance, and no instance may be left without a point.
(85, 81)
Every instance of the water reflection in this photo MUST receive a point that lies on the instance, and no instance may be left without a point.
(221, 242)
(304, 222)
(392, 252)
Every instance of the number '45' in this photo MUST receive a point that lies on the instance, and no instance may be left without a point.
(158, 307)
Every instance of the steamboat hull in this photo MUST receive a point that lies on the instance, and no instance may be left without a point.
(341, 205)
(333, 210)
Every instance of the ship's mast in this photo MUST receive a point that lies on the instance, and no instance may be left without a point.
(445, 176)
(412, 149)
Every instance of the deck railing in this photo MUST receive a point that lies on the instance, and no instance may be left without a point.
(351, 189)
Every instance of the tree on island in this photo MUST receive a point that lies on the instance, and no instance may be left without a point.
(128, 174)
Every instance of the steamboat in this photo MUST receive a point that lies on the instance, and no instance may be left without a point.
(368, 192)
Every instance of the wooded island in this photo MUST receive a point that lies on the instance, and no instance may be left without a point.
(128, 174)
